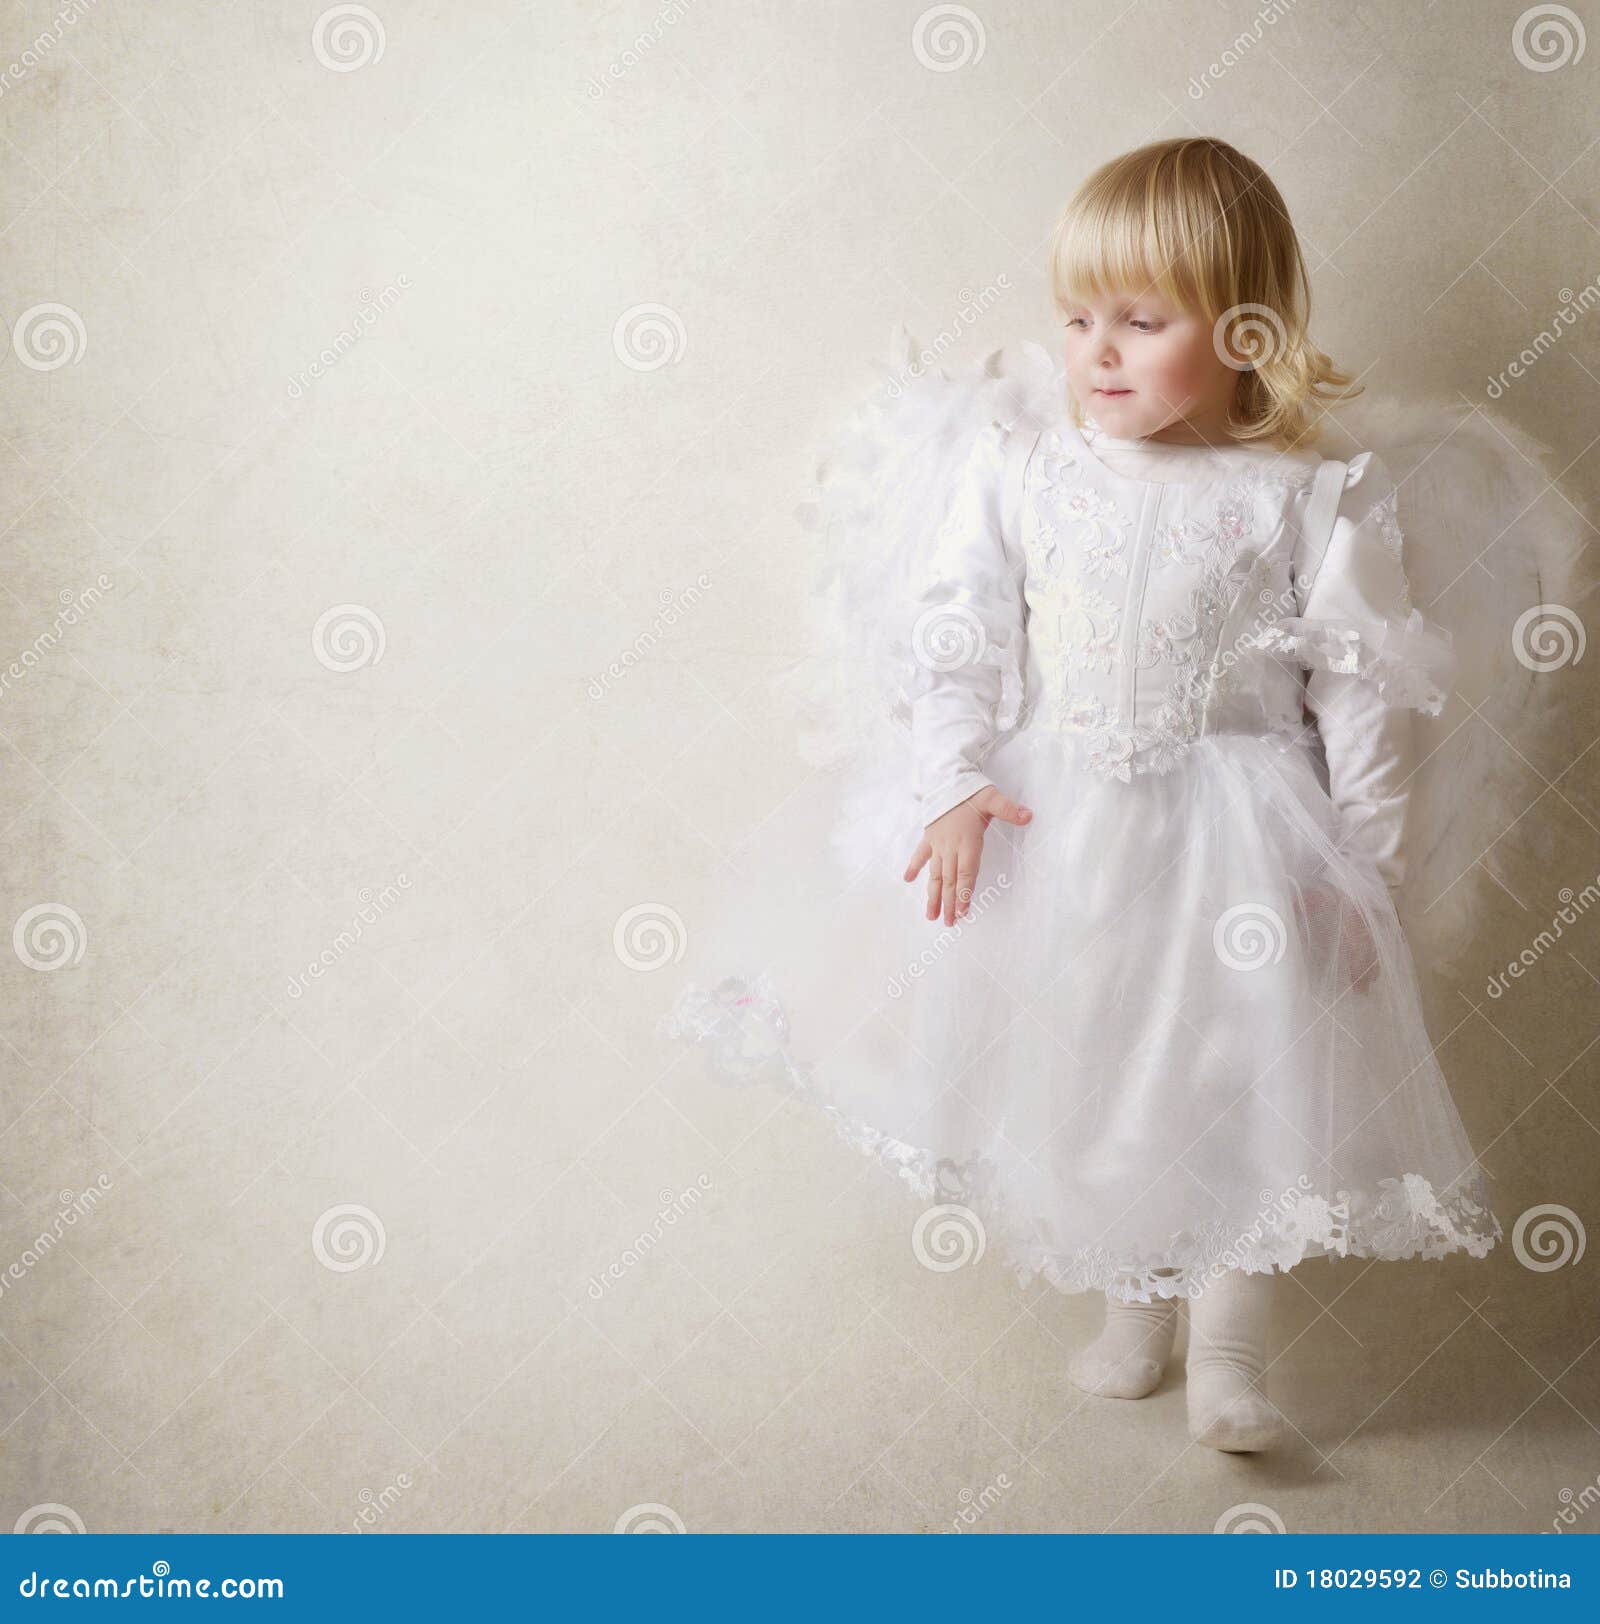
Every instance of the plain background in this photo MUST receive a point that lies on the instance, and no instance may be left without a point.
(359, 331)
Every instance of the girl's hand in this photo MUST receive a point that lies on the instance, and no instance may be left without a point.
(1327, 912)
(955, 843)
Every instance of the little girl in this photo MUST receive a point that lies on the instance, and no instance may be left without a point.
(1159, 663)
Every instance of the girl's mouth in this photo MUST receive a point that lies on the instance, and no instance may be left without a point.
(1113, 393)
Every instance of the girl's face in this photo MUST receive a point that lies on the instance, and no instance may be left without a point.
(1143, 369)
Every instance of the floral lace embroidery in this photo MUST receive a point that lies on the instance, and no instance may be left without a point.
(1167, 638)
(1079, 627)
(1102, 551)
(1090, 627)
(742, 1026)
(1072, 532)
(1217, 552)
(1074, 625)
(1387, 513)
(1191, 543)
(1118, 752)
(1096, 527)
(1415, 673)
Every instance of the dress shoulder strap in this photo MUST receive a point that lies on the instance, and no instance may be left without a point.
(1316, 530)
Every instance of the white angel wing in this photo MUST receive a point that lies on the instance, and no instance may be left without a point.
(884, 483)
(1493, 550)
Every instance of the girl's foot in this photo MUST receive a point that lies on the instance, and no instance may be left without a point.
(1228, 1404)
(1129, 1357)
(1244, 1421)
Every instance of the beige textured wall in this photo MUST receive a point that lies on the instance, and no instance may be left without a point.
(340, 372)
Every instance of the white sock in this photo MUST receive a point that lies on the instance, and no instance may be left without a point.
(1129, 1357)
(1228, 1404)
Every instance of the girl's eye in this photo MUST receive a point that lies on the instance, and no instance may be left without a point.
(1141, 323)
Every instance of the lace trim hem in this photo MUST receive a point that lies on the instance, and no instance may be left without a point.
(743, 1028)
(1412, 664)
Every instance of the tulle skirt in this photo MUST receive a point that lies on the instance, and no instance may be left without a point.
(1178, 1033)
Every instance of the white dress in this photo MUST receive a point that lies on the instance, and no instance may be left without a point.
(1179, 1031)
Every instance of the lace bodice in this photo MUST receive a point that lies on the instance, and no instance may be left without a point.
(1144, 615)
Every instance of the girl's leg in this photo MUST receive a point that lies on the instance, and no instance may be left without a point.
(1228, 1404)
(1129, 1357)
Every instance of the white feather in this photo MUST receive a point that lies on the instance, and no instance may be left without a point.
(1490, 535)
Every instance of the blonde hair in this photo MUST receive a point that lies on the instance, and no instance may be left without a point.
(1196, 220)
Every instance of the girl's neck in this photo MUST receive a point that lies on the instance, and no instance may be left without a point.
(1170, 438)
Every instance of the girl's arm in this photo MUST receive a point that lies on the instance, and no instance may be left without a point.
(965, 630)
(1373, 658)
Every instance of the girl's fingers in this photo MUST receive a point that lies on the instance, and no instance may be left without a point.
(966, 878)
(1009, 811)
(918, 858)
(950, 888)
(935, 884)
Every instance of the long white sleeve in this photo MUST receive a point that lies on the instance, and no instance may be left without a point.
(966, 634)
(1359, 602)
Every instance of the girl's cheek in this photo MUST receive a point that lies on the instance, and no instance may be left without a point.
(1181, 374)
